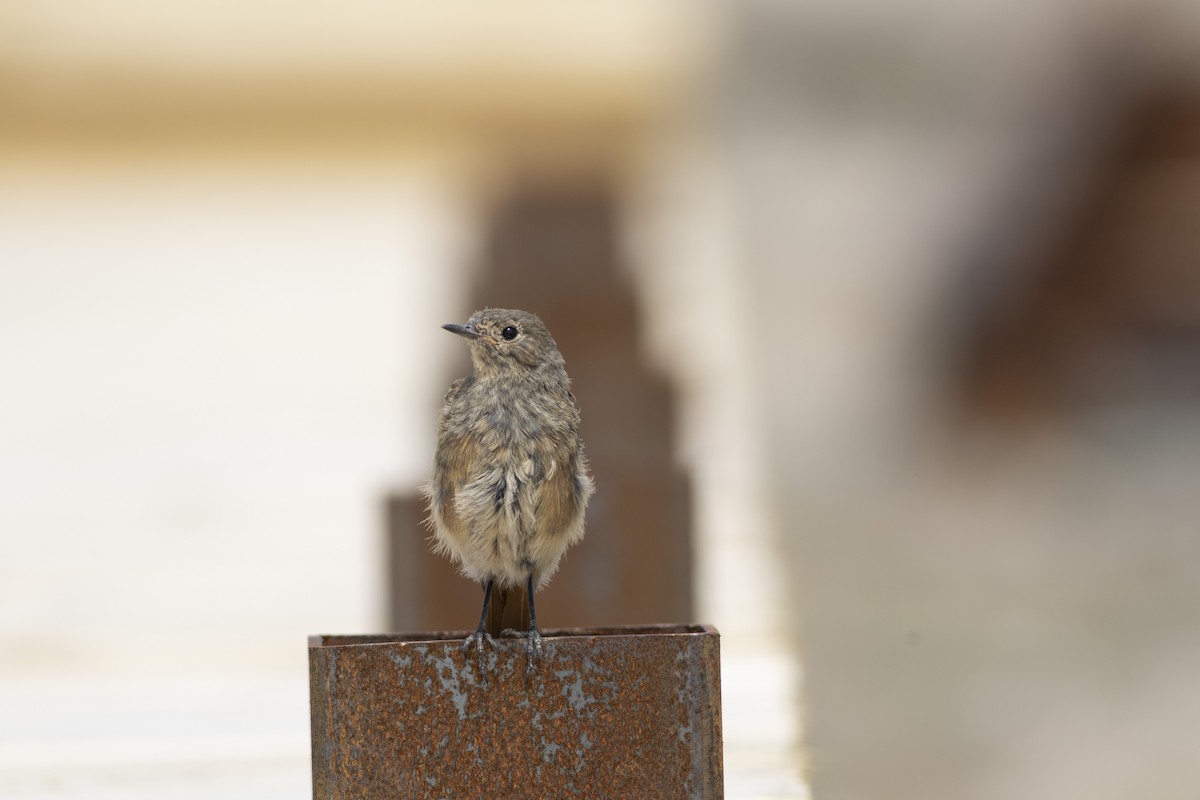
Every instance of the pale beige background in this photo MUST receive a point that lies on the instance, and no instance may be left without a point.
(228, 233)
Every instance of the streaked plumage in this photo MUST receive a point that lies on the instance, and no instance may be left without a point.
(510, 482)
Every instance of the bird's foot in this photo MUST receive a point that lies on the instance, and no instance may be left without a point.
(478, 638)
(533, 644)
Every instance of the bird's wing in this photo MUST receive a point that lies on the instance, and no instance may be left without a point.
(452, 394)
(457, 451)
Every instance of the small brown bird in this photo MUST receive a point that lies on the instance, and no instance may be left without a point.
(510, 481)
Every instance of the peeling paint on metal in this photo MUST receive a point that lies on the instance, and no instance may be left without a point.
(625, 712)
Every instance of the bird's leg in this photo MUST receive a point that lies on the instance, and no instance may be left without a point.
(533, 642)
(481, 635)
(532, 637)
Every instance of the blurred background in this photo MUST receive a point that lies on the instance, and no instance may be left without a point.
(884, 321)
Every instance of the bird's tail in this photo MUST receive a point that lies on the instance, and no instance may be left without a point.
(509, 608)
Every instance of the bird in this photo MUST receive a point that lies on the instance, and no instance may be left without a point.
(510, 483)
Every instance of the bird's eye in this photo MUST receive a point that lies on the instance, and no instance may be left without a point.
(509, 333)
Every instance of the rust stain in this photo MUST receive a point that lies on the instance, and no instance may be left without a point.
(620, 712)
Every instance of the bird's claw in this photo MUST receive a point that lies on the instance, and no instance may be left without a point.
(533, 644)
(478, 638)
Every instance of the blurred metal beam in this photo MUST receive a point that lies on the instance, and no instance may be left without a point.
(555, 250)
(260, 74)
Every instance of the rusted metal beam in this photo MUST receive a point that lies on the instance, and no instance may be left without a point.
(614, 713)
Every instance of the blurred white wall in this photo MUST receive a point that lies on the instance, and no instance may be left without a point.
(209, 378)
(207, 381)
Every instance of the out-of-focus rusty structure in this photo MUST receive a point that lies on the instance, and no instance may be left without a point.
(555, 251)
(621, 712)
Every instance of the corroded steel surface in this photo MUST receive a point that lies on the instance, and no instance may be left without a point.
(606, 713)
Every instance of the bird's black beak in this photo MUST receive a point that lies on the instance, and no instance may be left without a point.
(462, 330)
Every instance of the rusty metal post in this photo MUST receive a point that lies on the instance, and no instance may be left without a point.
(615, 713)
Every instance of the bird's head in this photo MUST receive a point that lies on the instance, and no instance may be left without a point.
(506, 341)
